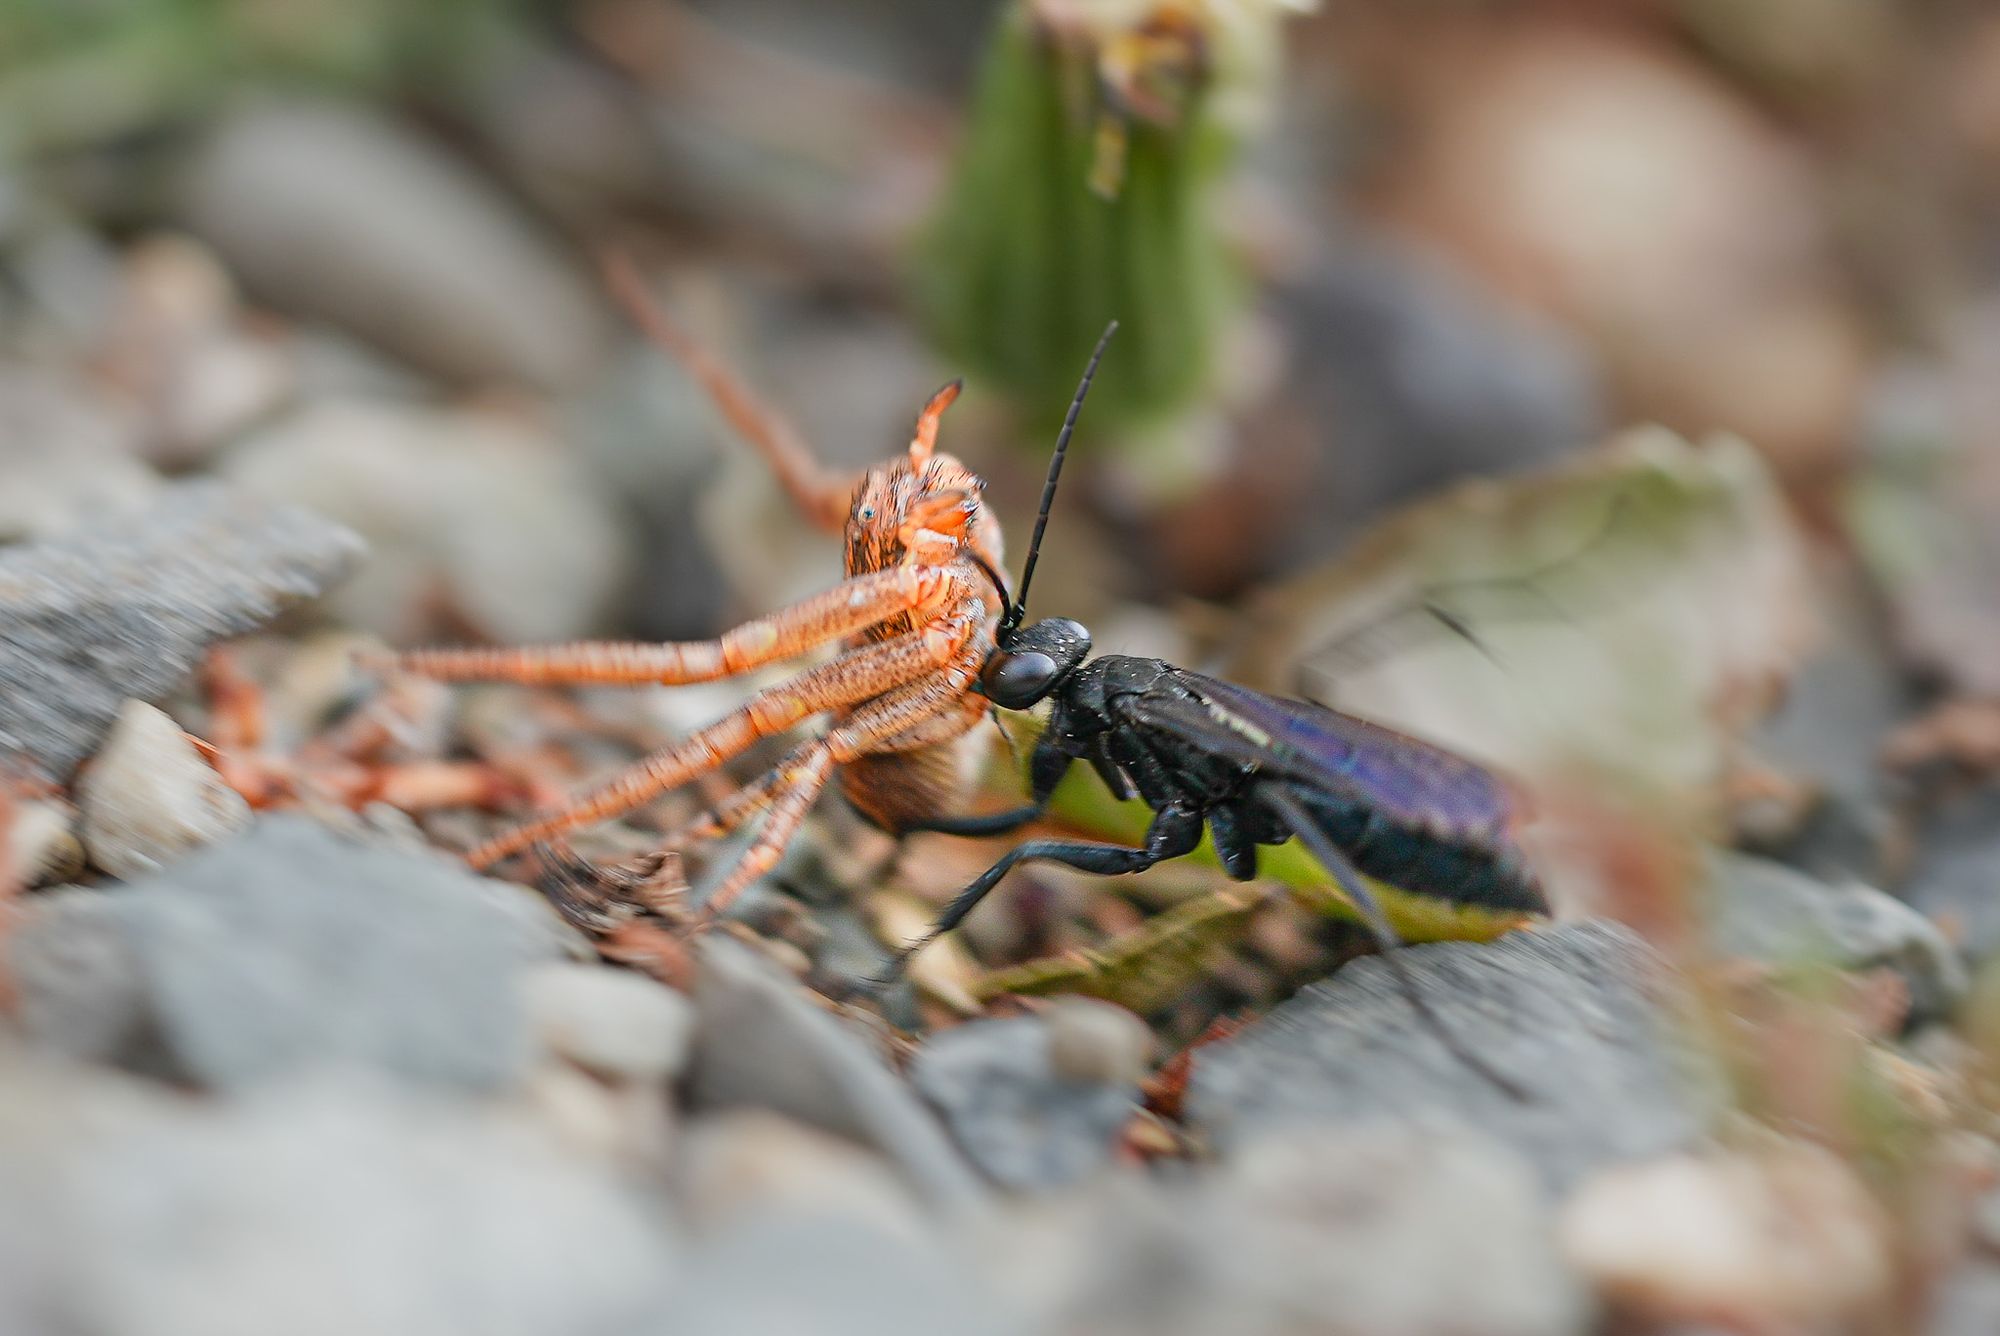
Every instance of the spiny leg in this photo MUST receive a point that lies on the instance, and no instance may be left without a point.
(918, 713)
(923, 442)
(821, 496)
(849, 607)
(855, 676)
(738, 807)
(799, 786)
(1349, 879)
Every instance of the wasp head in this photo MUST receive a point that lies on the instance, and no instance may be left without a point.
(1030, 662)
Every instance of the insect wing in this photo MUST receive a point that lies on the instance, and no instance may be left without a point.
(1412, 781)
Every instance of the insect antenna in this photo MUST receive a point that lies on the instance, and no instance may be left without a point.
(1019, 610)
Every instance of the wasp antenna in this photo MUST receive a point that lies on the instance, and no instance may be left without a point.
(1020, 608)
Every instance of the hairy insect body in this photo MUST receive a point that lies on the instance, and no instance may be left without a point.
(897, 519)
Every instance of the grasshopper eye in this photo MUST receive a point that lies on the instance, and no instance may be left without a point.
(1016, 681)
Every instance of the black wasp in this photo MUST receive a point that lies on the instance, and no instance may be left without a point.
(1250, 768)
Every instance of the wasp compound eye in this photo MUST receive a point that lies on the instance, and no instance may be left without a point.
(1016, 681)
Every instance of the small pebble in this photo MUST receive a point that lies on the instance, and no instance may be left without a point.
(751, 1161)
(150, 797)
(1097, 1042)
(1026, 1125)
(624, 1123)
(614, 1024)
(41, 846)
(1788, 1238)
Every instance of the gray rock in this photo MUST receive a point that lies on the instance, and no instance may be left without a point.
(1421, 377)
(1576, 1014)
(1769, 912)
(619, 1025)
(1091, 1040)
(792, 1276)
(760, 1043)
(1391, 1229)
(333, 212)
(753, 1162)
(648, 434)
(1365, 1229)
(77, 981)
(337, 1207)
(1827, 735)
(1027, 1127)
(1956, 878)
(1967, 1302)
(149, 797)
(68, 459)
(290, 947)
(486, 515)
(125, 610)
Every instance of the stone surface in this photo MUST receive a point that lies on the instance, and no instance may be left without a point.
(1956, 879)
(619, 1025)
(125, 610)
(1090, 1040)
(759, 1042)
(1389, 1229)
(1826, 735)
(77, 979)
(1575, 1014)
(149, 797)
(40, 846)
(1788, 1237)
(751, 1162)
(1627, 190)
(1768, 912)
(1023, 1124)
(1968, 1302)
(475, 521)
(785, 1275)
(626, 1124)
(1364, 1230)
(332, 212)
(67, 459)
(1419, 377)
(331, 1207)
(290, 947)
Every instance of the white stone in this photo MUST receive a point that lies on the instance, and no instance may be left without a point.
(618, 1025)
(1786, 1239)
(149, 797)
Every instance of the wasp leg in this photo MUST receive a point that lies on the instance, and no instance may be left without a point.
(990, 823)
(1294, 814)
(1175, 831)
